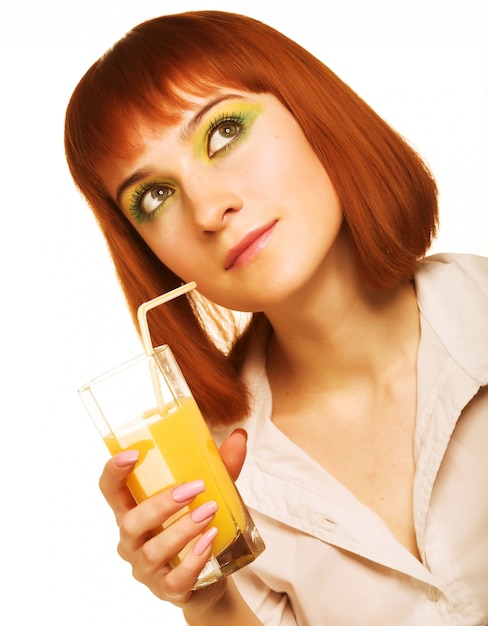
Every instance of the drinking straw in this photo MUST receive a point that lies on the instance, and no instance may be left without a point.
(151, 304)
(146, 336)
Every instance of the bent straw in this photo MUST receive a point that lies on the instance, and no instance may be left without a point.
(146, 336)
(151, 304)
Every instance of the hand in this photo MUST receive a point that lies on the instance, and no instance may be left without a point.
(150, 553)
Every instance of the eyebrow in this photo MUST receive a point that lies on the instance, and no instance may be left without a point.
(185, 134)
(128, 182)
(192, 125)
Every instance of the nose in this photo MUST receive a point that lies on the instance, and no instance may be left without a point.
(211, 200)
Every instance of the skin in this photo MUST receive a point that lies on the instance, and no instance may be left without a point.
(250, 214)
(269, 177)
(149, 555)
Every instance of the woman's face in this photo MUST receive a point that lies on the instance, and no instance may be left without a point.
(233, 197)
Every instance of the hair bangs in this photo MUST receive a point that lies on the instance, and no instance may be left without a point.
(145, 79)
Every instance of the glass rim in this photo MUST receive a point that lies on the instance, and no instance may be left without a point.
(122, 366)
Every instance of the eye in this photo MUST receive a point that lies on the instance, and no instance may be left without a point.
(153, 198)
(148, 200)
(223, 133)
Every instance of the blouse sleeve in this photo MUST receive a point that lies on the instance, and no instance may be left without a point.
(271, 607)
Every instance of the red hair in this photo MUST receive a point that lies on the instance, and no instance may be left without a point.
(388, 196)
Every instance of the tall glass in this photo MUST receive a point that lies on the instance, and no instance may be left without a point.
(145, 404)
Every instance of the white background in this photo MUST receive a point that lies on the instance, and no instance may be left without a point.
(423, 64)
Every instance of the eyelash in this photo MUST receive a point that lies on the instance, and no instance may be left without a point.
(140, 216)
(235, 118)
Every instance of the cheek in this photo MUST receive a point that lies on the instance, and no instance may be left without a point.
(292, 161)
(166, 245)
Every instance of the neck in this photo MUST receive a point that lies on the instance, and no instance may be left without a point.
(345, 336)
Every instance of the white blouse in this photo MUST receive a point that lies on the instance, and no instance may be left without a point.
(331, 560)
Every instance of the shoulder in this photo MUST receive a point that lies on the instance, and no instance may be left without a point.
(466, 271)
(470, 268)
(458, 278)
(452, 294)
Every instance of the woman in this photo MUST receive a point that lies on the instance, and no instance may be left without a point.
(212, 148)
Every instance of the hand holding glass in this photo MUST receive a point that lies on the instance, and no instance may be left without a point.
(146, 405)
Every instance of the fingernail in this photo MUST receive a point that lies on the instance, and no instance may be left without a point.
(241, 432)
(205, 540)
(128, 457)
(205, 511)
(187, 491)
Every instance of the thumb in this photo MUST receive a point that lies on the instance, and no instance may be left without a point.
(233, 451)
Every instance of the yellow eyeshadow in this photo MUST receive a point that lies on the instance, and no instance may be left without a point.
(131, 199)
(243, 111)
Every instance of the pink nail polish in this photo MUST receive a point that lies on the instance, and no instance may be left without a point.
(205, 511)
(205, 540)
(187, 491)
(128, 457)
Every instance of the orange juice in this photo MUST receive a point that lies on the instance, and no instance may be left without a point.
(175, 446)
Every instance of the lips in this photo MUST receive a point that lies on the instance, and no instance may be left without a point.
(249, 247)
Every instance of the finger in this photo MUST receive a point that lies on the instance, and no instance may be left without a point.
(149, 517)
(113, 482)
(180, 580)
(150, 564)
(174, 540)
(233, 451)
